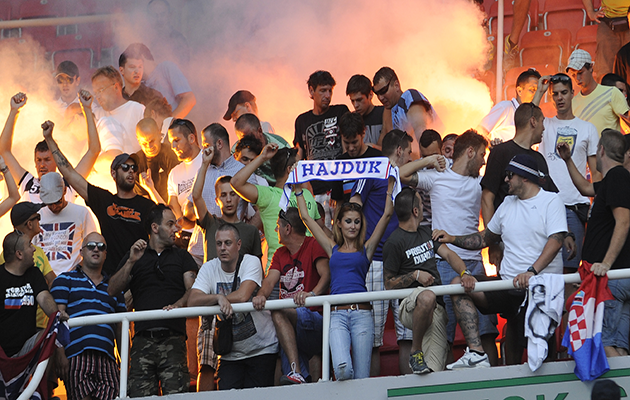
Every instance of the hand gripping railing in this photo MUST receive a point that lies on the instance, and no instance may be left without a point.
(314, 301)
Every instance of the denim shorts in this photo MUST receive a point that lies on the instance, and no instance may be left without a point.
(616, 326)
(308, 338)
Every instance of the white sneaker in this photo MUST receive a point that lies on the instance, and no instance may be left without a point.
(470, 359)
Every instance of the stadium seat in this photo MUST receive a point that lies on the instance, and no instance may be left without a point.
(30, 9)
(508, 12)
(564, 14)
(586, 39)
(546, 47)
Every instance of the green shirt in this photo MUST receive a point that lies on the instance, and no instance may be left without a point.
(268, 207)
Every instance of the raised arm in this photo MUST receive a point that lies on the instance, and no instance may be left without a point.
(6, 138)
(318, 233)
(585, 187)
(473, 241)
(75, 179)
(239, 183)
(14, 195)
(372, 243)
(85, 165)
(146, 181)
(596, 176)
(543, 86)
(408, 171)
(120, 281)
(197, 191)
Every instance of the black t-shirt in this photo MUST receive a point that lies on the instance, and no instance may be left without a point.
(160, 167)
(611, 192)
(622, 62)
(499, 158)
(373, 124)
(18, 317)
(405, 252)
(121, 221)
(319, 138)
(250, 237)
(158, 281)
(341, 190)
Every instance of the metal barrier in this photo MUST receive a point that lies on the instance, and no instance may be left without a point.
(314, 301)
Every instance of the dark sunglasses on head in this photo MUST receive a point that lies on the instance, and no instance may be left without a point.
(95, 245)
(560, 78)
(126, 167)
(283, 215)
(382, 90)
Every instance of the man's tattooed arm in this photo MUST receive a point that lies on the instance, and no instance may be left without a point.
(477, 240)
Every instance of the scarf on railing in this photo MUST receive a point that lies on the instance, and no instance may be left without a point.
(338, 170)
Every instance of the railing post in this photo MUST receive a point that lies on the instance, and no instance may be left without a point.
(124, 358)
(326, 342)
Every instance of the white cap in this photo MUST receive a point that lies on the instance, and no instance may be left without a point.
(578, 58)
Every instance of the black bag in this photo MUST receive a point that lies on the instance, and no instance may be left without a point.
(619, 24)
(222, 340)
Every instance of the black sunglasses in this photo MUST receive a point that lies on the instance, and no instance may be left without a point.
(95, 245)
(283, 215)
(185, 123)
(159, 272)
(509, 174)
(35, 217)
(126, 167)
(382, 90)
(61, 80)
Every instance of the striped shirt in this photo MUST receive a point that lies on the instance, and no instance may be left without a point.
(77, 292)
(601, 107)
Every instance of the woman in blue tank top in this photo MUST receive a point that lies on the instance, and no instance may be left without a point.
(351, 325)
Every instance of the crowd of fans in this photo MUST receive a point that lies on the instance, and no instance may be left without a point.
(196, 221)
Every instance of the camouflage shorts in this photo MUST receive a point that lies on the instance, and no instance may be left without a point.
(158, 362)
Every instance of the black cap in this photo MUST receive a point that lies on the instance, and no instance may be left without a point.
(240, 97)
(21, 212)
(122, 158)
(67, 68)
(525, 166)
(605, 389)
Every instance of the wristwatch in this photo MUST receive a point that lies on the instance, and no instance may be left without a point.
(571, 235)
(465, 272)
(532, 270)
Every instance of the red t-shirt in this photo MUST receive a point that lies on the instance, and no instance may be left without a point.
(297, 271)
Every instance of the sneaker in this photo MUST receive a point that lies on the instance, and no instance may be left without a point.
(510, 55)
(470, 359)
(417, 364)
(292, 378)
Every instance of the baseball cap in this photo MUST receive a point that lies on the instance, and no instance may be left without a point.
(578, 58)
(121, 159)
(21, 212)
(51, 188)
(606, 389)
(525, 166)
(67, 68)
(240, 97)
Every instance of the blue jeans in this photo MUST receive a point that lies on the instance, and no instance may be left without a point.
(577, 227)
(351, 330)
(616, 324)
(487, 323)
(308, 337)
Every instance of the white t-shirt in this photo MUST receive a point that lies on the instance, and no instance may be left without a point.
(254, 333)
(525, 227)
(29, 187)
(164, 131)
(121, 135)
(181, 179)
(62, 235)
(500, 120)
(582, 138)
(455, 204)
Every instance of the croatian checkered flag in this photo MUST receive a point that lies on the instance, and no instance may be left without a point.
(583, 336)
(15, 372)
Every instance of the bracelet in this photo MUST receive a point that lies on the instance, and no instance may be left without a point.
(312, 293)
(465, 272)
(299, 194)
(571, 235)
(532, 270)
(417, 273)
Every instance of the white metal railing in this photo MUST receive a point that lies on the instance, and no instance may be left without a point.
(314, 301)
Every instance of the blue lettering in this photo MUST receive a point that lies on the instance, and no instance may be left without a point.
(374, 167)
(305, 167)
(321, 170)
(359, 170)
(336, 169)
(347, 164)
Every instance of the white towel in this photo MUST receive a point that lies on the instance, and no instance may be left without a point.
(338, 170)
(544, 313)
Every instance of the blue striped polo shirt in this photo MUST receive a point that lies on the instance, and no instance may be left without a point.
(82, 297)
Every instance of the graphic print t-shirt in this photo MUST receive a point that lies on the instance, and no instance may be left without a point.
(121, 221)
(19, 307)
(319, 137)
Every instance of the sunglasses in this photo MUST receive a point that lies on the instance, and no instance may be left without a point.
(283, 215)
(509, 174)
(127, 167)
(34, 217)
(95, 245)
(185, 123)
(382, 90)
(560, 78)
(62, 80)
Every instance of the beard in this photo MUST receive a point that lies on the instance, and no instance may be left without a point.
(122, 183)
